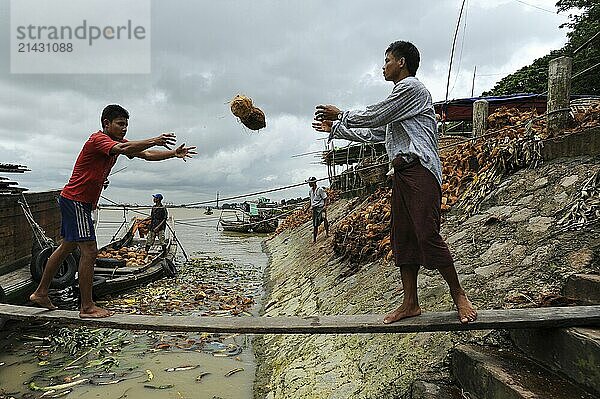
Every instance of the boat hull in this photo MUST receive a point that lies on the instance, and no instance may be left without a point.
(119, 283)
(249, 227)
(120, 279)
(17, 240)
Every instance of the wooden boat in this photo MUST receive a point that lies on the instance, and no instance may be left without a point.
(31, 228)
(123, 264)
(19, 273)
(236, 226)
(240, 221)
(17, 240)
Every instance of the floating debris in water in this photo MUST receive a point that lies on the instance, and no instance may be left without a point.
(75, 357)
(149, 376)
(202, 375)
(234, 371)
(34, 387)
(110, 382)
(181, 368)
(200, 288)
(166, 386)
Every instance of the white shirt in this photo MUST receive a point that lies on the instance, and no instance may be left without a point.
(317, 197)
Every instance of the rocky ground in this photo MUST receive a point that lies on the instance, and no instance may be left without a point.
(513, 253)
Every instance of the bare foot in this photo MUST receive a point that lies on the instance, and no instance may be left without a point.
(95, 312)
(466, 311)
(402, 312)
(42, 300)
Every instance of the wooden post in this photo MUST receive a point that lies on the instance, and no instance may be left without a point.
(480, 114)
(559, 92)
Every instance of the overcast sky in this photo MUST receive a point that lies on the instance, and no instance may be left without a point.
(287, 56)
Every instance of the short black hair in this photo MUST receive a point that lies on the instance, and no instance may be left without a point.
(410, 53)
(112, 112)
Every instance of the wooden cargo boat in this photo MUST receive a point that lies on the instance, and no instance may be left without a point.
(123, 264)
(240, 221)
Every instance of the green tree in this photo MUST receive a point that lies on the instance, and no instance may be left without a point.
(582, 26)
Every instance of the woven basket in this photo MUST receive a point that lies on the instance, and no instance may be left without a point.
(581, 105)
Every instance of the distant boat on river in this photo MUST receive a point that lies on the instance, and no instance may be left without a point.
(249, 220)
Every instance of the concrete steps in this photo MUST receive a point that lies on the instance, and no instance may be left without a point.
(434, 390)
(546, 363)
(493, 373)
(572, 352)
(585, 287)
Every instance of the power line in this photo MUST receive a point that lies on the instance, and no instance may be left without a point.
(539, 8)
(585, 71)
(587, 42)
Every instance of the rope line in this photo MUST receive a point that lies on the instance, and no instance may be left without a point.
(587, 42)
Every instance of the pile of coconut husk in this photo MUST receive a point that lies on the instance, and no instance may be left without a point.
(303, 215)
(252, 117)
(509, 117)
(295, 219)
(475, 166)
(470, 169)
(364, 235)
(587, 117)
(133, 257)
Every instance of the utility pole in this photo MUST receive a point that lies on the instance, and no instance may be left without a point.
(452, 58)
(473, 85)
(217, 200)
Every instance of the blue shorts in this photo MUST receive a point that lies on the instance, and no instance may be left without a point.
(76, 223)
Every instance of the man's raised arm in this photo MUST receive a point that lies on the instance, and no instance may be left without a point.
(131, 148)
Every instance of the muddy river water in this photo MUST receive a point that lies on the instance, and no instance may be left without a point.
(140, 364)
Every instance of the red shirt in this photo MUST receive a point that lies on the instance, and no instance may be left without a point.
(91, 169)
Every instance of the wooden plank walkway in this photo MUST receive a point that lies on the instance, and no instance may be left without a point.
(343, 324)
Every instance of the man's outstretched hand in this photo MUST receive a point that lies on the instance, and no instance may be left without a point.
(327, 113)
(184, 152)
(165, 140)
(322, 126)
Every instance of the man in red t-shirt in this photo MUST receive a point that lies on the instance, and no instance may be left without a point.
(81, 195)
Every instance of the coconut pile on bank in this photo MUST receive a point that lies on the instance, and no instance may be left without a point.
(471, 170)
(303, 215)
(364, 236)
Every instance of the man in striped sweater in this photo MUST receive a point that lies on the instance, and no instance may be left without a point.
(405, 121)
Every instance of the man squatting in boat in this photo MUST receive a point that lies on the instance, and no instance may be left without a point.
(406, 122)
(81, 194)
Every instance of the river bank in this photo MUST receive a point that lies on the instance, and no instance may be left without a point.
(514, 252)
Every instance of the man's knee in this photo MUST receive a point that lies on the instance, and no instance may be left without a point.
(66, 247)
(88, 249)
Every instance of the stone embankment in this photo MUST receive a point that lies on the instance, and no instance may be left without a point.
(513, 253)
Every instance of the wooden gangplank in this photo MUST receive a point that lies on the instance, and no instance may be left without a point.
(343, 324)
